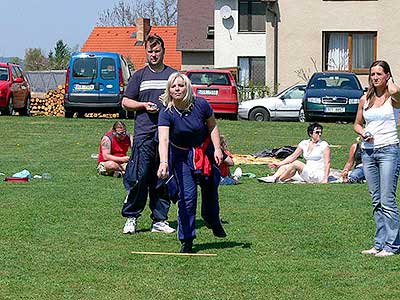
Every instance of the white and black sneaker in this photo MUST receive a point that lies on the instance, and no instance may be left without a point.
(162, 226)
(130, 225)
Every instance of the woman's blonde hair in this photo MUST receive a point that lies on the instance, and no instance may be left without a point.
(188, 98)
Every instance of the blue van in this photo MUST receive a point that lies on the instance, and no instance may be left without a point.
(95, 82)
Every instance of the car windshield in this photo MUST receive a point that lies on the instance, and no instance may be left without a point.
(327, 81)
(209, 78)
(85, 68)
(4, 75)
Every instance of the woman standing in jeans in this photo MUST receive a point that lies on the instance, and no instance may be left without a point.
(380, 152)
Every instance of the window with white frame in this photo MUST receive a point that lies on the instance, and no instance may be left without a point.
(349, 51)
(251, 70)
(252, 16)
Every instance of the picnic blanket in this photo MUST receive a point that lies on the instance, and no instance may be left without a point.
(246, 159)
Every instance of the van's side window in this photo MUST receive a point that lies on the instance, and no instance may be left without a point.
(107, 68)
(85, 67)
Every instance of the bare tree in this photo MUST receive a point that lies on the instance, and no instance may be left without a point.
(305, 74)
(168, 11)
(119, 15)
(160, 12)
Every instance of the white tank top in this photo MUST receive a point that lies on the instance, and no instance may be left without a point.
(382, 123)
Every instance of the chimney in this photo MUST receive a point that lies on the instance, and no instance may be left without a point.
(142, 30)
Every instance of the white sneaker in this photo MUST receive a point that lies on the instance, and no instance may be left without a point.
(130, 225)
(372, 251)
(237, 174)
(162, 226)
(267, 179)
(384, 253)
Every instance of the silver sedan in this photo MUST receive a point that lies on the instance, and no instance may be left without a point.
(284, 105)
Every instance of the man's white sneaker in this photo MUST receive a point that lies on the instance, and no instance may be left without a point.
(130, 225)
(237, 174)
(372, 251)
(384, 253)
(162, 226)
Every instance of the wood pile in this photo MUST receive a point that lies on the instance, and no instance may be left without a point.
(48, 104)
(52, 104)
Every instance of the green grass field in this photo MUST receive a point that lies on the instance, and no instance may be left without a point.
(62, 238)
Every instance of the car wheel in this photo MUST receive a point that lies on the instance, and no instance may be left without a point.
(69, 114)
(259, 114)
(10, 107)
(26, 111)
(302, 116)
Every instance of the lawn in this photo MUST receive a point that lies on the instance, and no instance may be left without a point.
(62, 238)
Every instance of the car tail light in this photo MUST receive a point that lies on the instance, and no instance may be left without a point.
(235, 92)
(67, 82)
(121, 81)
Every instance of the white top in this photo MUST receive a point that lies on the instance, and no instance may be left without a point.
(314, 159)
(382, 123)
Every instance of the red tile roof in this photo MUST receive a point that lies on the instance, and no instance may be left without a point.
(119, 39)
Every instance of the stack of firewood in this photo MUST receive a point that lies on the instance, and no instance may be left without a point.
(52, 104)
(49, 104)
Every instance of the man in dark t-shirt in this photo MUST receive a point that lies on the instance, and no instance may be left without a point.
(142, 96)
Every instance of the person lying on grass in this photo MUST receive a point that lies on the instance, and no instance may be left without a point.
(317, 154)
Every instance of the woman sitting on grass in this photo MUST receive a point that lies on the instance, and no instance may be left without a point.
(317, 154)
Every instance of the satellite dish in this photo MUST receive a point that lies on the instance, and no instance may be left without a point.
(225, 12)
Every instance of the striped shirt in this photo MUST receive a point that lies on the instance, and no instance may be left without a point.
(147, 86)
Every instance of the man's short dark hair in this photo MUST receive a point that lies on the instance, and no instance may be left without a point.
(153, 40)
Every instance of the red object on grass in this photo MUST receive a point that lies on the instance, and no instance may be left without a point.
(16, 179)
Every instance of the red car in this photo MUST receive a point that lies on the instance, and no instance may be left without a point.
(219, 88)
(15, 90)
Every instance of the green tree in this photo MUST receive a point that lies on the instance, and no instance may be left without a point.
(15, 60)
(58, 60)
(35, 60)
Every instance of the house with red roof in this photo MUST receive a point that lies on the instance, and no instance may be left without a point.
(129, 41)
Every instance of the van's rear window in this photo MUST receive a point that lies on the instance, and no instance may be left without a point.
(107, 68)
(85, 67)
(209, 78)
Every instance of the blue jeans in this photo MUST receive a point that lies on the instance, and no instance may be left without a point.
(380, 168)
(357, 175)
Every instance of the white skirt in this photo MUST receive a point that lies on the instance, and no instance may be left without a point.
(312, 175)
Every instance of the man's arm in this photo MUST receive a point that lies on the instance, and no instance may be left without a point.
(134, 105)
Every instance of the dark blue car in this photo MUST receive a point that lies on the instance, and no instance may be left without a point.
(333, 96)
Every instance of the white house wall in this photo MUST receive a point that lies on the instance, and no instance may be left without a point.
(229, 44)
